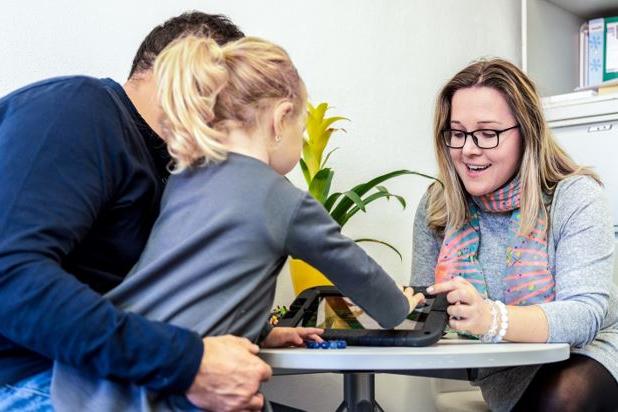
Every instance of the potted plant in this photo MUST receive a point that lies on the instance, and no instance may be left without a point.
(340, 205)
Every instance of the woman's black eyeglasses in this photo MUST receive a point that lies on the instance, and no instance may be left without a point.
(482, 138)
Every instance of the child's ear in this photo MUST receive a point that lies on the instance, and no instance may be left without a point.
(281, 114)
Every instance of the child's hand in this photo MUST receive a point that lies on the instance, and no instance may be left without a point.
(283, 336)
(413, 300)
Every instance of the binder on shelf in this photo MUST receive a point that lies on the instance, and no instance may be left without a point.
(598, 51)
(610, 49)
(583, 55)
(596, 47)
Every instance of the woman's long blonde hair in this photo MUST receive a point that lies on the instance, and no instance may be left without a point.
(544, 163)
(204, 89)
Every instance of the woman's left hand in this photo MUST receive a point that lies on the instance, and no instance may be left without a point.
(283, 336)
(468, 310)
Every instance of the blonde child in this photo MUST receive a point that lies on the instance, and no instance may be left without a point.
(233, 122)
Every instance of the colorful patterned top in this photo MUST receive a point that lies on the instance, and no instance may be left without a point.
(527, 273)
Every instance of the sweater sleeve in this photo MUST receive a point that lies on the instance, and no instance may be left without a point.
(582, 230)
(58, 173)
(316, 238)
(425, 248)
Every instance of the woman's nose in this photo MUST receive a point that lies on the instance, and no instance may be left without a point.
(470, 148)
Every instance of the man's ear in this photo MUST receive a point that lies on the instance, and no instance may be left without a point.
(281, 114)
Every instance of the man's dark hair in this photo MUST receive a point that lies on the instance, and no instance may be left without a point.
(216, 26)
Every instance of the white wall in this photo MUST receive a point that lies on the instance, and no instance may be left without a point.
(380, 63)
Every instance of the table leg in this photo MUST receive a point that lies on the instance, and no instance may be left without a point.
(359, 393)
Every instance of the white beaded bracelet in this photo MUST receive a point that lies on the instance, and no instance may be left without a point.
(504, 322)
(491, 333)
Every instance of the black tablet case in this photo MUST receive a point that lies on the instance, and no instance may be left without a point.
(433, 325)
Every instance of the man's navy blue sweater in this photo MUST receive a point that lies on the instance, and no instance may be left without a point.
(81, 180)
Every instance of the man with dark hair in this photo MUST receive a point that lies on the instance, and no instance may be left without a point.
(218, 27)
(83, 169)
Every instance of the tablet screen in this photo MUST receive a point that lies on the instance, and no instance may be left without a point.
(338, 312)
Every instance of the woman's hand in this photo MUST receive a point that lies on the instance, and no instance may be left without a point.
(284, 336)
(468, 310)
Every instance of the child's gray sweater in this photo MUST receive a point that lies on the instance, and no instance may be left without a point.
(211, 265)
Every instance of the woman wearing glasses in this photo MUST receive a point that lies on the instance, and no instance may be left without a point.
(520, 238)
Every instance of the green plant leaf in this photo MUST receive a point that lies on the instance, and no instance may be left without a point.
(330, 120)
(320, 109)
(368, 200)
(383, 189)
(327, 122)
(354, 199)
(315, 115)
(331, 200)
(312, 160)
(401, 199)
(318, 132)
(345, 204)
(327, 157)
(303, 167)
(320, 185)
(382, 243)
(320, 142)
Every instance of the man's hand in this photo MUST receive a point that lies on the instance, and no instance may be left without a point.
(282, 336)
(230, 376)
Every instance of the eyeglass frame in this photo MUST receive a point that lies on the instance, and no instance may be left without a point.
(474, 138)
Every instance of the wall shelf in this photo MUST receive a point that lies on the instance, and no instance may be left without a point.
(595, 109)
(550, 40)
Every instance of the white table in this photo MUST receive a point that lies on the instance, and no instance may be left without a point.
(358, 364)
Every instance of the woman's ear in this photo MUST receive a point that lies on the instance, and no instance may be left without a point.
(281, 114)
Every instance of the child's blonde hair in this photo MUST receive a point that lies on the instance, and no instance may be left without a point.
(205, 88)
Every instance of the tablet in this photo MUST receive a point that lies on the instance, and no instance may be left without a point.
(325, 307)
